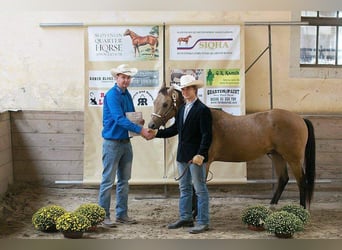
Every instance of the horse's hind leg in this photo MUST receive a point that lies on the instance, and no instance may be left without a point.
(283, 177)
(301, 181)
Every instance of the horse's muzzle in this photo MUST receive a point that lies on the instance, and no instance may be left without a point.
(152, 125)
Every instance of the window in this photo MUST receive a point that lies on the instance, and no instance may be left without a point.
(321, 39)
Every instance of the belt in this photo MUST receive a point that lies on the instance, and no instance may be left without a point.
(122, 140)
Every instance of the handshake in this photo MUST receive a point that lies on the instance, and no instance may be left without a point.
(148, 133)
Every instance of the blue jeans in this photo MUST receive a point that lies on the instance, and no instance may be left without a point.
(117, 160)
(195, 175)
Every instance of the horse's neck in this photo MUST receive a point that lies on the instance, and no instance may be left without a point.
(132, 34)
(180, 99)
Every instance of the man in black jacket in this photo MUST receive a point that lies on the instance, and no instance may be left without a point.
(193, 126)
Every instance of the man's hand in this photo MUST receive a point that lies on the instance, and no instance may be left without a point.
(152, 134)
(198, 160)
(141, 122)
(148, 134)
(144, 132)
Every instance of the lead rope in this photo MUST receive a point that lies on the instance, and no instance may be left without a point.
(179, 177)
(183, 173)
(211, 176)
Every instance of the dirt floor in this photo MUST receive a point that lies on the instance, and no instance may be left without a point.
(154, 210)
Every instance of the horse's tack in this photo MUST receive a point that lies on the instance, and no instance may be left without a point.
(174, 107)
(187, 166)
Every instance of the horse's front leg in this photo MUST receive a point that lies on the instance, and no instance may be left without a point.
(136, 49)
(152, 51)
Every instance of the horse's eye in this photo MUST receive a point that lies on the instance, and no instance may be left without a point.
(165, 105)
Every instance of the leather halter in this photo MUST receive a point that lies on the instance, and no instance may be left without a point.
(163, 117)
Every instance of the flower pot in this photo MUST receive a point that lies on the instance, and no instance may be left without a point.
(51, 229)
(284, 235)
(256, 228)
(73, 235)
(92, 228)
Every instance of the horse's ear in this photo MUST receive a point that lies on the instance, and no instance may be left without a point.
(171, 89)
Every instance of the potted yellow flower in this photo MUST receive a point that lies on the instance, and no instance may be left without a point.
(283, 224)
(254, 216)
(297, 210)
(94, 212)
(72, 224)
(44, 219)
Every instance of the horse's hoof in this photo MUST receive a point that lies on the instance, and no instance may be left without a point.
(273, 207)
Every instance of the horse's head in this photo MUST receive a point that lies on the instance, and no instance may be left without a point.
(165, 106)
(127, 32)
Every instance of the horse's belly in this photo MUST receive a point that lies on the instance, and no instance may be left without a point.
(236, 155)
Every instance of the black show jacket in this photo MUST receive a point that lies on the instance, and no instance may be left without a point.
(194, 135)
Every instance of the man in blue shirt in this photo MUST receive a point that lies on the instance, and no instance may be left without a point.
(117, 154)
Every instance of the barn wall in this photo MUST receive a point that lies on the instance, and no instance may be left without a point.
(48, 147)
(6, 171)
(43, 68)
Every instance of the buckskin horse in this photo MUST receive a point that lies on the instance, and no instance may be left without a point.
(283, 135)
(138, 41)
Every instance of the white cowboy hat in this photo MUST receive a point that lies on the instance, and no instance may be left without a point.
(187, 81)
(123, 69)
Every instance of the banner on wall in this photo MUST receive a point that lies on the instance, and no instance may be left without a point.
(143, 87)
(123, 43)
(215, 56)
(212, 53)
(205, 42)
(108, 47)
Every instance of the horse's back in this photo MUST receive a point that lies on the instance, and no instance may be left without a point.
(276, 119)
(286, 123)
(247, 137)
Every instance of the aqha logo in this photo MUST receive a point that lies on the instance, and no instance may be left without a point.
(214, 44)
(209, 44)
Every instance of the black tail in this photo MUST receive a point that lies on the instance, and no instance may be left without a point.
(310, 161)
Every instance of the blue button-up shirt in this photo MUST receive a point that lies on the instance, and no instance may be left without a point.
(115, 124)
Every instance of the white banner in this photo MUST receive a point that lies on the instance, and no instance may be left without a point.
(205, 42)
(122, 43)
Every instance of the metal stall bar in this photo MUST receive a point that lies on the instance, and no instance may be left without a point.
(165, 195)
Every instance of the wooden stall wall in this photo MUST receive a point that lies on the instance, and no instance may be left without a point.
(6, 171)
(328, 150)
(48, 147)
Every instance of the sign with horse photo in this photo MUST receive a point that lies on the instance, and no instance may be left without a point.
(205, 42)
(123, 43)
